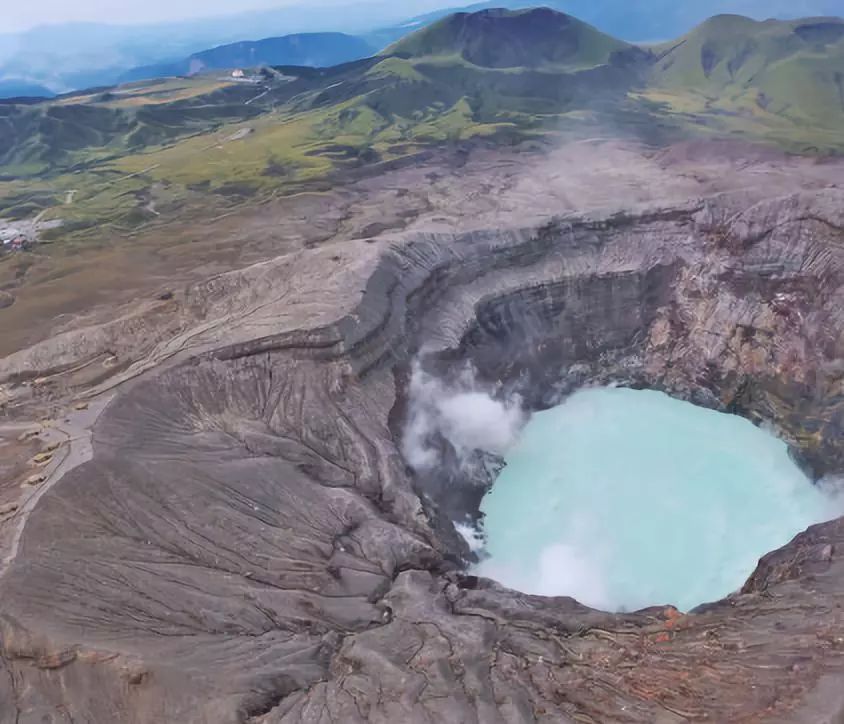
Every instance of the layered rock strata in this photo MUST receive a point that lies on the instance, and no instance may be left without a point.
(248, 544)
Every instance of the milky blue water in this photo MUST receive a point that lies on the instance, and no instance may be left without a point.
(625, 499)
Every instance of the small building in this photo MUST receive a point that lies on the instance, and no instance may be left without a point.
(238, 73)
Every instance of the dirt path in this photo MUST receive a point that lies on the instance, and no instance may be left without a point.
(73, 435)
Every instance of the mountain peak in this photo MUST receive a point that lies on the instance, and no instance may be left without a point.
(499, 38)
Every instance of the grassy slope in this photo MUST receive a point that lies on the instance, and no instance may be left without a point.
(775, 79)
(154, 151)
(37, 140)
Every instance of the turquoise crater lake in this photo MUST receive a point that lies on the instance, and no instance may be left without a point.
(625, 499)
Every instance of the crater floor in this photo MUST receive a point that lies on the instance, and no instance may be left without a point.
(240, 539)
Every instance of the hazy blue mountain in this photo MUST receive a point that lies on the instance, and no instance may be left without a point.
(23, 89)
(69, 56)
(77, 55)
(317, 50)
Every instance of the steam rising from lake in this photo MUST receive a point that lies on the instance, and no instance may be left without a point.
(459, 412)
(625, 499)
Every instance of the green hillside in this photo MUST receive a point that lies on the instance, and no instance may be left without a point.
(139, 155)
(512, 39)
(772, 71)
(79, 129)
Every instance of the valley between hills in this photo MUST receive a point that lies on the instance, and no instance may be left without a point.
(209, 337)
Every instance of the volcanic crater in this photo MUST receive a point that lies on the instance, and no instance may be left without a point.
(248, 543)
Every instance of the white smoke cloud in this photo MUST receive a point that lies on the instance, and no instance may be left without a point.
(568, 570)
(578, 565)
(473, 537)
(561, 569)
(474, 421)
(463, 413)
(832, 486)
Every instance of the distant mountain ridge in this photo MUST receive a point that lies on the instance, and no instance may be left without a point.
(492, 77)
(635, 21)
(317, 50)
(495, 70)
(80, 55)
(13, 88)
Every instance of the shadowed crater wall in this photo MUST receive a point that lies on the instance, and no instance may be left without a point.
(248, 543)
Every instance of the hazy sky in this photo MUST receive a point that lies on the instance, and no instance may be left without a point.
(19, 15)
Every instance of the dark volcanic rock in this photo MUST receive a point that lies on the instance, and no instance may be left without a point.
(247, 543)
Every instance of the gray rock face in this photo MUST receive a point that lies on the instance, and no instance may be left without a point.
(247, 543)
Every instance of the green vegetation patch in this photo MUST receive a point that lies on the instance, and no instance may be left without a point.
(144, 154)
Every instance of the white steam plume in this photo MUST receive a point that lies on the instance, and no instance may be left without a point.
(465, 415)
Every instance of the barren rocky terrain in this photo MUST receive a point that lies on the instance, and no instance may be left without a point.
(227, 530)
